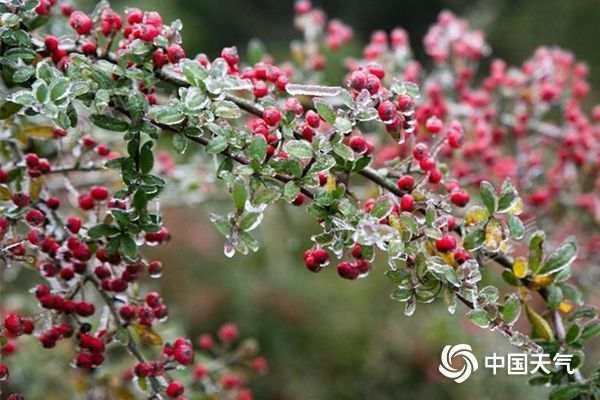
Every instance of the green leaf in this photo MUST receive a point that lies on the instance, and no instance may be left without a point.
(540, 327)
(300, 149)
(146, 157)
(536, 251)
(59, 89)
(216, 145)
(511, 309)
(110, 123)
(515, 226)
(194, 74)
(127, 246)
(474, 239)
(591, 330)
(248, 221)
(325, 110)
(290, 191)
(343, 151)
(382, 208)
(554, 296)
(167, 115)
(180, 142)
(8, 109)
(560, 258)
(228, 110)
(479, 318)
(573, 333)
(508, 194)
(137, 105)
(23, 74)
(239, 194)
(565, 393)
(102, 230)
(255, 51)
(257, 151)
(488, 196)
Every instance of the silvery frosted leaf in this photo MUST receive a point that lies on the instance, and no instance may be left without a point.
(370, 232)
(219, 69)
(367, 114)
(236, 84)
(214, 85)
(295, 89)
(410, 307)
(363, 100)
(228, 249)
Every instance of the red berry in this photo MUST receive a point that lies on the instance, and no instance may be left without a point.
(312, 119)
(435, 176)
(184, 354)
(153, 299)
(53, 203)
(420, 151)
(357, 250)
(347, 270)
(230, 55)
(386, 110)
(99, 193)
(406, 182)
(35, 217)
(206, 342)
(51, 43)
(446, 243)
(359, 144)
(74, 224)
(88, 47)
(32, 160)
(459, 198)
(128, 312)
(66, 9)
(85, 309)
(135, 16)
(320, 255)
(80, 22)
(4, 373)
(228, 333)
(272, 116)
(434, 125)
(86, 202)
(175, 389)
(21, 199)
(175, 53)
(3, 175)
(407, 203)
(358, 80)
(299, 200)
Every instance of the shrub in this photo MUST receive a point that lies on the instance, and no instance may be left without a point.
(101, 122)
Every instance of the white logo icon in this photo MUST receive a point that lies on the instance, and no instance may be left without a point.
(470, 364)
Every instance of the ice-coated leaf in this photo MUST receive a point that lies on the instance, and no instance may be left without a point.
(488, 196)
(312, 90)
(193, 72)
(536, 252)
(479, 318)
(559, 259)
(110, 123)
(325, 110)
(511, 309)
(228, 110)
(515, 226)
(300, 149)
(168, 115)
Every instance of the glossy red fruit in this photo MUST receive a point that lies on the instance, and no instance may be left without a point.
(405, 182)
(228, 333)
(81, 22)
(175, 389)
(446, 243)
(459, 198)
(175, 53)
(407, 203)
(272, 116)
(99, 193)
(347, 270)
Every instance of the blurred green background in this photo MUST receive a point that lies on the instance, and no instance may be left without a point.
(328, 338)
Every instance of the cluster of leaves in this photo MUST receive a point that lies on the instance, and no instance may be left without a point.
(271, 140)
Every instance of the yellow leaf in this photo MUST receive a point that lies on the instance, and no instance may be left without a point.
(5, 193)
(35, 132)
(476, 215)
(520, 267)
(540, 327)
(147, 335)
(541, 281)
(35, 188)
(517, 207)
(331, 184)
(493, 235)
